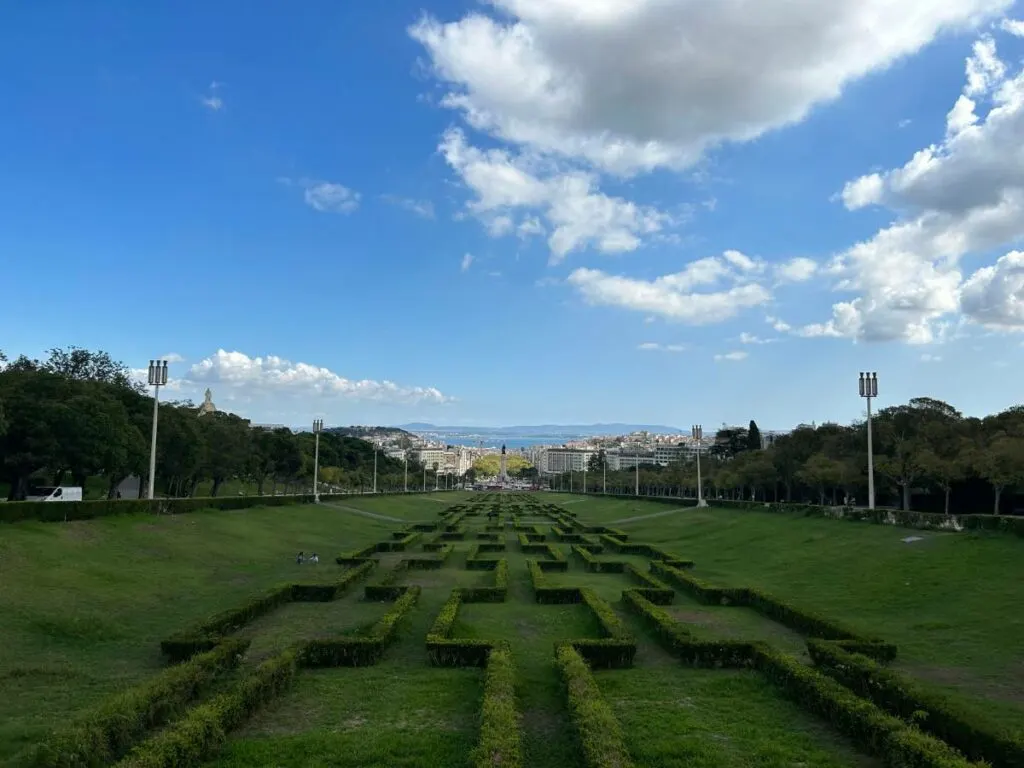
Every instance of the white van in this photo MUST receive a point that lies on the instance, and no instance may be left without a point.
(58, 493)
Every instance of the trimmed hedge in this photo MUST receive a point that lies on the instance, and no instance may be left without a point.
(931, 710)
(592, 564)
(500, 743)
(650, 587)
(356, 556)
(892, 740)
(323, 593)
(597, 730)
(495, 594)
(705, 593)
(360, 651)
(443, 651)
(201, 733)
(430, 562)
(563, 535)
(208, 634)
(107, 732)
(543, 593)
(802, 621)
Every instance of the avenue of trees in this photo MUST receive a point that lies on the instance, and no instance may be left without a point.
(79, 415)
(927, 455)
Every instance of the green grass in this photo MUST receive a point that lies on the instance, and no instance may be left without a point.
(85, 605)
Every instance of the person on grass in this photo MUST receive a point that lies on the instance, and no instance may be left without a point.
(300, 558)
(314, 559)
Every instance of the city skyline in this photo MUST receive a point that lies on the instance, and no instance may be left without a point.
(415, 212)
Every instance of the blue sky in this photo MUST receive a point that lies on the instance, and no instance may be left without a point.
(522, 211)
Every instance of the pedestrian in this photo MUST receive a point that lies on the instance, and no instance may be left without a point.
(299, 558)
(314, 558)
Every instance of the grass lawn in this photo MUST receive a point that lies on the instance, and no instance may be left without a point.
(85, 605)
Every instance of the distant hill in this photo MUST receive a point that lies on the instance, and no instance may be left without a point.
(547, 429)
(365, 431)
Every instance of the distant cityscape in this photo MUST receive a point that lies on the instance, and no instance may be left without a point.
(452, 455)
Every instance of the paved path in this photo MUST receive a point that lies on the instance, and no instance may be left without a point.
(364, 513)
(638, 518)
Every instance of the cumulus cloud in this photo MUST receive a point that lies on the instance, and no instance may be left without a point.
(797, 270)
(1015, 28)
(727, 280)
(731, 357)
(577, 213)
(962, 195)
(749, 338)
(467, 261)
(929, 358)
(276, 376)
(651, 346)
(633, 86)
(422, 208)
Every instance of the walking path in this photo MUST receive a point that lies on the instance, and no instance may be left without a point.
(364, 513)
(638, 518)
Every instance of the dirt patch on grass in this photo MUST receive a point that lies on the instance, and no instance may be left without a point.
(526, 630)
(1008, 687)
(542, 722)
(80, 531)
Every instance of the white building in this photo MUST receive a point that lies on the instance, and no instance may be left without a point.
(558, 460)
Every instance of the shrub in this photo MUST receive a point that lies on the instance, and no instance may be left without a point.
(106, 733)
(488, 546)
(208, 634)
(598, 731)
(650, 587)
(879, 734)
(314, 593)
(453, 536)
(446, 652)
(500, 743)
(201, 733)
(907, 699)
(704, 593)
(360, 651)
(495, 594)
(594, 565)
(356, 557)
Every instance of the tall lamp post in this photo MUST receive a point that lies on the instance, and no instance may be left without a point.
(376, 447)
(636, 460)
(424, 477)
(604, 472)
(406, 454)
(157, 379)
(318, 425)
(868, 386)
(698, 436)
(584, 473)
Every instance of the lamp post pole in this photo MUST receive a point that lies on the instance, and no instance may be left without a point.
(424, 478)
(318, 425)
(584, 473)
(868, 387)
(604, 472)
(376, 446)
(157, 379)
(698, 436)
(406, 470)
(636, 460)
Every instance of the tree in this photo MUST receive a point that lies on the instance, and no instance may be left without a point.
(753, 437)
(820, 472)
(1001, 463)
(227, 443)
(597, 462)
(82, 365)
(729, 442)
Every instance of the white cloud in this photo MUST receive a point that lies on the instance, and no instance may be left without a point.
(422, 208)
(779, 325)
(530, 226)
(904, 122)
(963, 195)
(742, 261)
(632, 86)
(274, 376)
(867, 190)
(749, 338)
(172, 357)
(467, 261)
(994, 296)
(929, 358)
(331, 198)
(1012, 26)
(796, 270)
(211, 100)
(651, 346)
(674, 296)
(578, 214)
(733, 357)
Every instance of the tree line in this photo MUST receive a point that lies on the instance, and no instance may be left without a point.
(928, 456)
(79, 414)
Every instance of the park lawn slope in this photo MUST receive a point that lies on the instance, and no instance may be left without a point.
(85, 604)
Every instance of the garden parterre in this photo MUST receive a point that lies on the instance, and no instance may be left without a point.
(540, 618)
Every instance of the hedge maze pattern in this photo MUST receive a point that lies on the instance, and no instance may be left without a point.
(172, 721)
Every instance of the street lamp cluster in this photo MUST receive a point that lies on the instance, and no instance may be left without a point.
(868, 389)
(157, 379)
